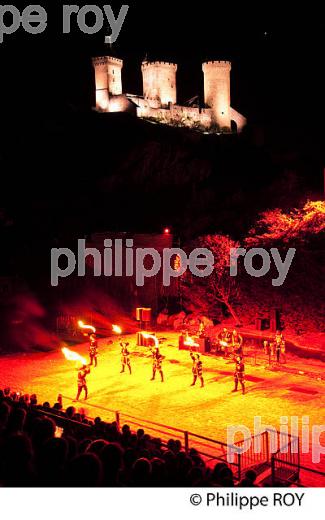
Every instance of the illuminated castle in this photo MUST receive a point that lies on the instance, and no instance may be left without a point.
(159, 100)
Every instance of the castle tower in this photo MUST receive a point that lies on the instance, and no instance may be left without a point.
(217, 90)
(108, 77)
(159, 83)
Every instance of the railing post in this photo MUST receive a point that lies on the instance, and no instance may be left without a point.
(117, 419)
(186, 442)
(273, 469)
(298, 440)
(239, 465)
(267, 446)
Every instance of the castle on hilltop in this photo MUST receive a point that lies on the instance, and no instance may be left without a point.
(159, 100)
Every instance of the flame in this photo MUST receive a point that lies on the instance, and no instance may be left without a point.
(117, 329)
(73, 356)
(146, 335)
(88, 327)
(190, 342)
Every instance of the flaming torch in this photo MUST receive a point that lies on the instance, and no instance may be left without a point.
(82, 325)
(70, 355)
(117, 329)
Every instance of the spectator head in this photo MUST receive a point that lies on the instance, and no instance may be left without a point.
(96, 446)
(17, 420)
(195, 476)
(217, 470)
(4, 415)
(33, 399)
(70, 411)
(84, 445)
(112, 459)
(129, 458)
(84, 470)
(55, 452)
(158, 472)
(141, 472)
(126, 429)
(226, 477)
(72, 446)
(17, 461)
(251, 475)
(43, 431)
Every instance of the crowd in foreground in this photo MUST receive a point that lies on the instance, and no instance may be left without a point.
(47, 446)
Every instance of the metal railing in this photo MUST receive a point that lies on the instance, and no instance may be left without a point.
(269, 449)
(285, 462)
(254, 453)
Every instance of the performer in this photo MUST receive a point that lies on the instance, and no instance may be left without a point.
(125, 357)
(283, 351)
(237, 344)
(278, 340)
(197, 369)
(157, 363)
(82, 383)
(93, 352)
(267, 350)
(201, 331)
(239, 375)
(224, 338)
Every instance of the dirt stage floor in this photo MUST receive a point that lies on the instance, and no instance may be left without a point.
(271, 392)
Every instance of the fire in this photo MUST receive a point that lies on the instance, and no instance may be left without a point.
(88, 327)
(73, 356)
(146, 335)
(190, 342)
(117, 329)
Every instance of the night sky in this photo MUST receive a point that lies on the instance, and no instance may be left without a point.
(277, 57)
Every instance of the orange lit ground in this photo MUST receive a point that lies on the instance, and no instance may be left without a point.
(207, 411)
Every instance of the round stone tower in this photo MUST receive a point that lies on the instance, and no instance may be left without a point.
(108, 77)
(217, 90)
(159, 83)
(114, 74)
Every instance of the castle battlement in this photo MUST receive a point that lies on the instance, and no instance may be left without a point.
(147, 64)
(104, 60)
(216, 63)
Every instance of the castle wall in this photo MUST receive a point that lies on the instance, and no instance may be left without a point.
(217, 90)
(159, 83)
(176, 115)
(239, 119)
